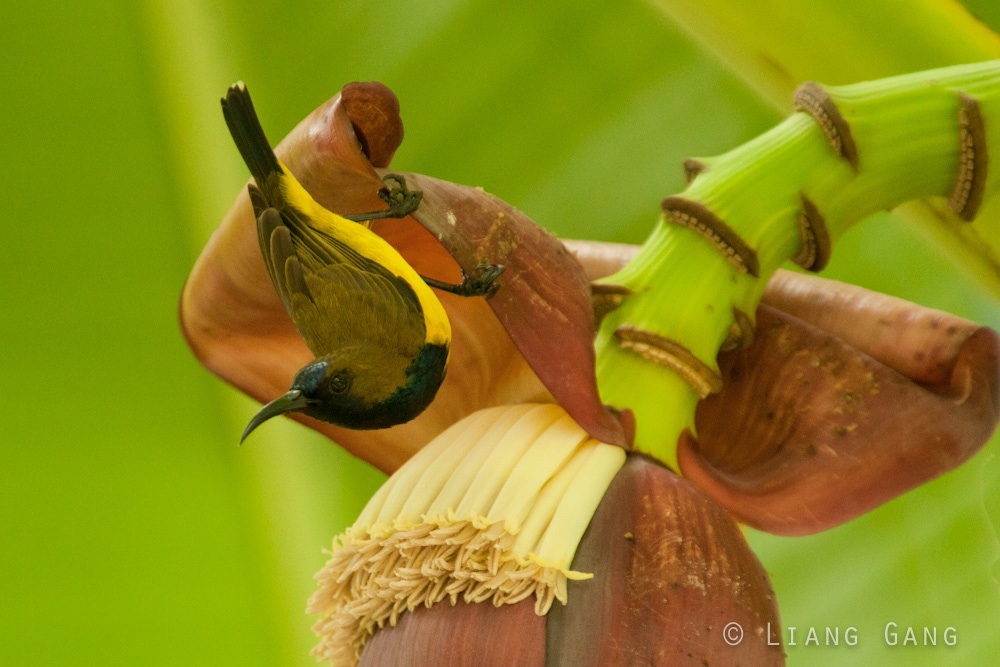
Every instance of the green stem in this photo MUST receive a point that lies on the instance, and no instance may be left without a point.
(656, 353)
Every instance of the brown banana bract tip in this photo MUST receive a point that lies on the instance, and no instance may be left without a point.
(374, 112)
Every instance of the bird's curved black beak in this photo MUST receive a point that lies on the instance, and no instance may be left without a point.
(290, 402)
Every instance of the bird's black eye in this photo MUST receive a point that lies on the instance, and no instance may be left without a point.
(339, 382)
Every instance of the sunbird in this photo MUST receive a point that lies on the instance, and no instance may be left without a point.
(380, 335)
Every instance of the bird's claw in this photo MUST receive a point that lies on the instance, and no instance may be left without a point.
(483, 281)
(400, 199)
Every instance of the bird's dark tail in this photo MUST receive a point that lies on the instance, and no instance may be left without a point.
(249, 135)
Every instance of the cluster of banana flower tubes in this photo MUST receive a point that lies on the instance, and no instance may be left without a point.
(612, 414)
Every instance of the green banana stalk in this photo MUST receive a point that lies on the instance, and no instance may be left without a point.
(788, 194)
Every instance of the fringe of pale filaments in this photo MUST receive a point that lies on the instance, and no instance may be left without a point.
(371, 581)
(525, 471)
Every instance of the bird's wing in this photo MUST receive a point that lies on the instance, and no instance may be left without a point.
(334, 294)
(279, 255)
(349, 306)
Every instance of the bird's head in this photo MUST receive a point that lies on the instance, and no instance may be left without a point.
(360, 390)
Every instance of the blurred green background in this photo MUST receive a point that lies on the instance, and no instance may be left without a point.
(133, 531)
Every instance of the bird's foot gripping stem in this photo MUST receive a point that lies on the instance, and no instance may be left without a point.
(401, 200)
(482, 282)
